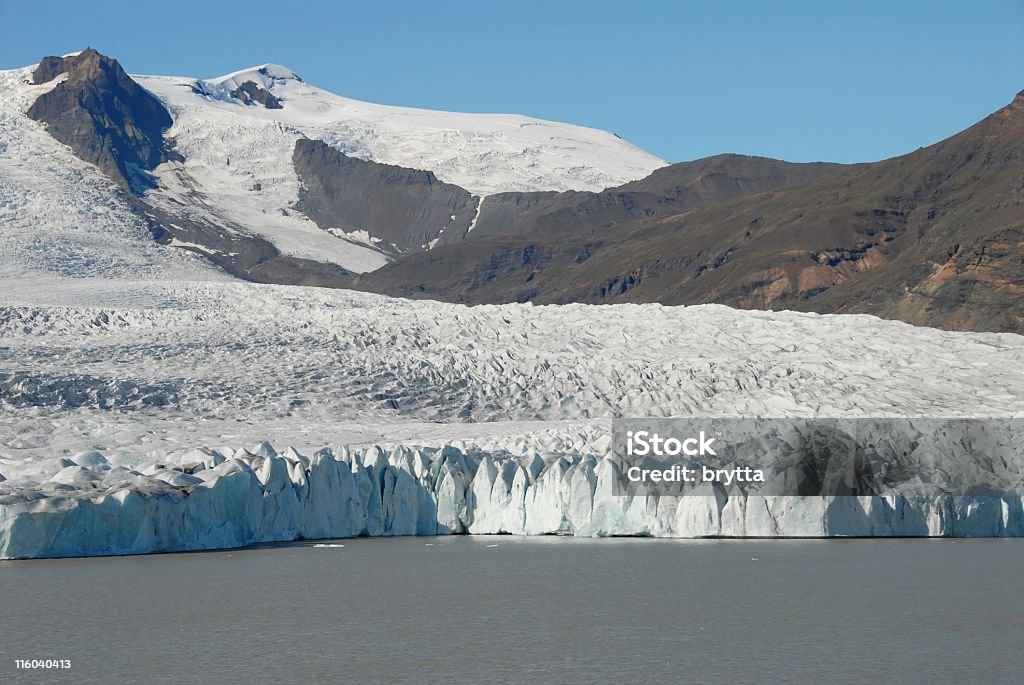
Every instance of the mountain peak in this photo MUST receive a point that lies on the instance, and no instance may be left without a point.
(265, 75)
(277, 71)
(88, 60)
(252, 86)
(102, 114)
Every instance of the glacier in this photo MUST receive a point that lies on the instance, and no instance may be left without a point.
(125, 407)
(212, 501)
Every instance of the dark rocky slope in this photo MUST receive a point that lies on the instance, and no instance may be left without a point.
(669, 190)
(103, 115)
(407, 209)
(935, 238)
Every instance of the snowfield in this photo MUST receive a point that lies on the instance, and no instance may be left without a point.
(140, 416)
(483, 153)
(238, 157)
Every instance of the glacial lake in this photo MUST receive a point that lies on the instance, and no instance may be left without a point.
(521, 610)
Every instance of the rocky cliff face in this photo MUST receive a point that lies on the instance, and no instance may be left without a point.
(404, 210)
(103, 115)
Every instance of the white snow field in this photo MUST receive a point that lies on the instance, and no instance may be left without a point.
(483, 153)
(138, 416)
(238, 157)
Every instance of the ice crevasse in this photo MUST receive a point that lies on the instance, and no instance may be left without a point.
(210, 500)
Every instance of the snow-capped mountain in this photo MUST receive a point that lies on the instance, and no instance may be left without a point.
(60, 215)
(483, 153)
(210, 162)
(274, 180)
(237, 134)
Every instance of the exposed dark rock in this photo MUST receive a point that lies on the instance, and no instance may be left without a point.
(568, 229)
(249, 93)
(104, 116)
(51, 67)
(935, 238)
(669, 190)
(406, 209)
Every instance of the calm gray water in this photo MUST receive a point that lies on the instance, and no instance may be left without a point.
(546, 610)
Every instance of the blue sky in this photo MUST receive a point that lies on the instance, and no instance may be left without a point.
(850, 81)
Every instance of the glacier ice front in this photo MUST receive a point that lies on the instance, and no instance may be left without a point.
(508, 434)
(210, 499)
